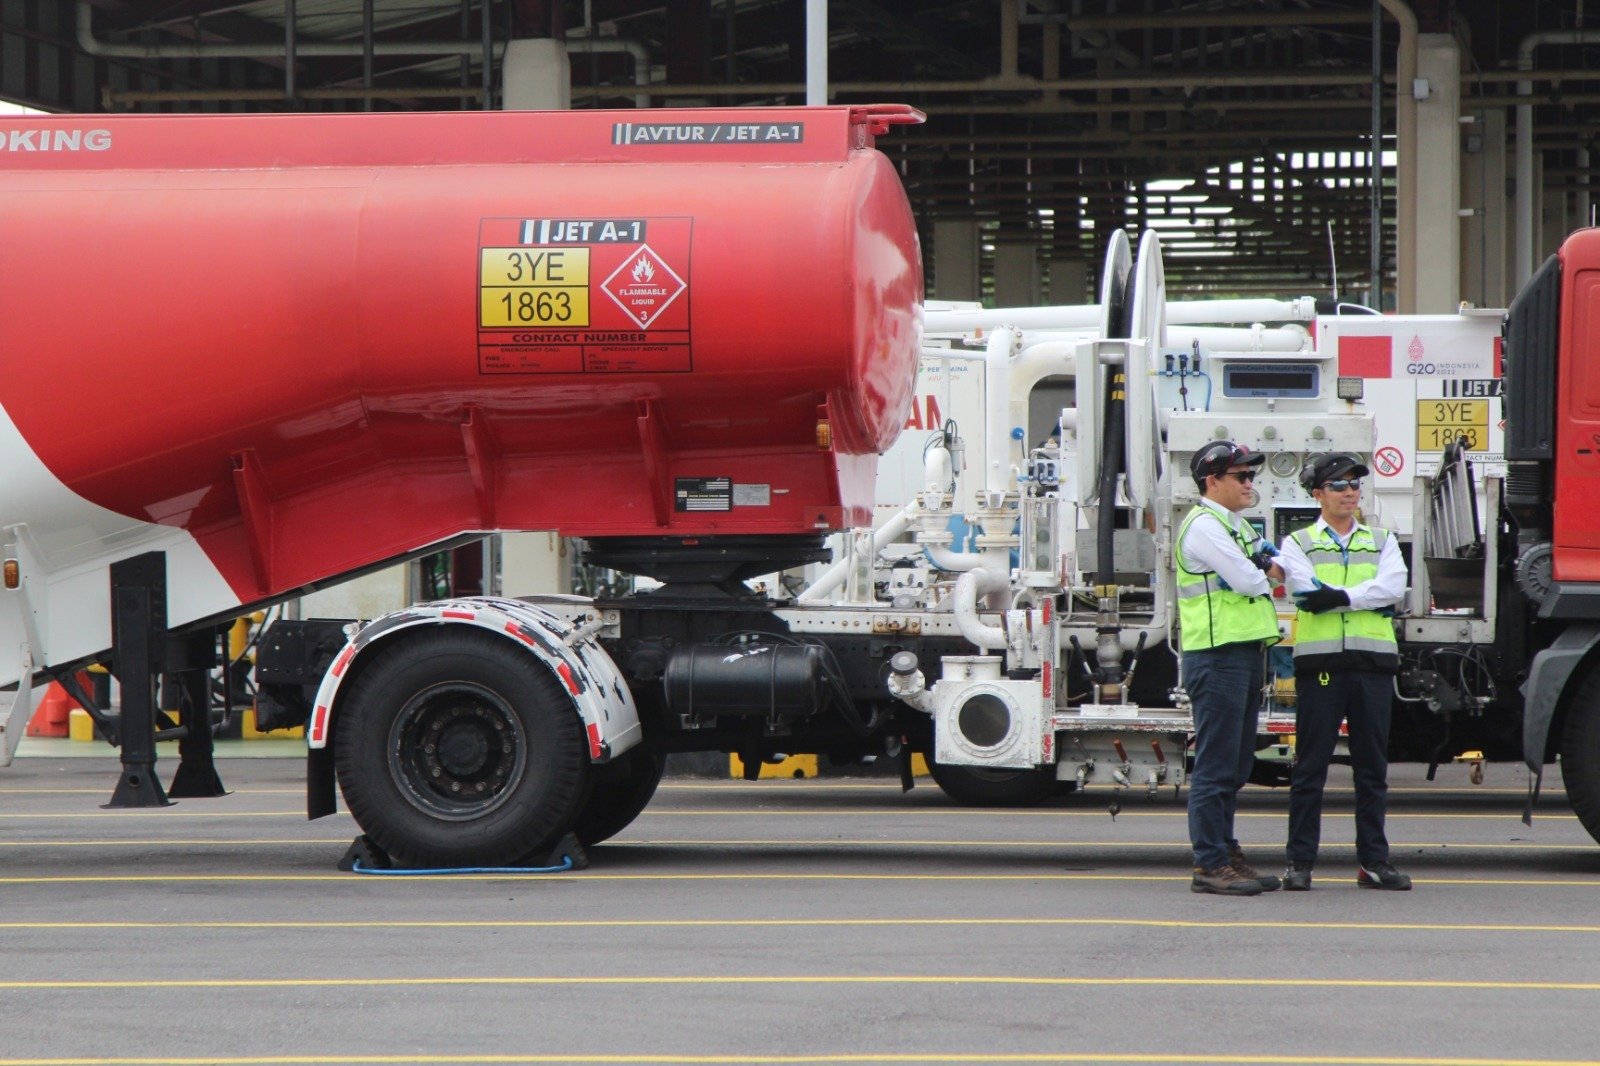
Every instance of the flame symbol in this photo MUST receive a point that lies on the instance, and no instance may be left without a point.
(642, 270)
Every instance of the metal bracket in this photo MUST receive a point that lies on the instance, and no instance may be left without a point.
(17, 714)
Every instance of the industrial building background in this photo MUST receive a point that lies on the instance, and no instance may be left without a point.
(1242, 129)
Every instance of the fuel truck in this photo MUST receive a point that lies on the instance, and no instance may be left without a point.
(245, 357)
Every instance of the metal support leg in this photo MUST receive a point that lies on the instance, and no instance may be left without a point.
(197, 772)
(138, 637)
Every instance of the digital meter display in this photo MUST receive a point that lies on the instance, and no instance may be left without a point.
(1285, 381)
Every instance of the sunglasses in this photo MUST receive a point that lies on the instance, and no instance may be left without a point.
(1340, 484)
(1244, 477)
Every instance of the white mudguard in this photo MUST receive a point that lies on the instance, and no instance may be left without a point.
(610, 719)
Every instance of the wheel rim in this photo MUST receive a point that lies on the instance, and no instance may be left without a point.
(457, 751)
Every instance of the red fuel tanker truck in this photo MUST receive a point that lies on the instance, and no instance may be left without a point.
(244, 356)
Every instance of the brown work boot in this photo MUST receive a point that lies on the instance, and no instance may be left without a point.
(1224, 880)
(1237, 860)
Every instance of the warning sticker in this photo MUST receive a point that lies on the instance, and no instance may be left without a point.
(584, 296)
(1388, 460)
(702, 494)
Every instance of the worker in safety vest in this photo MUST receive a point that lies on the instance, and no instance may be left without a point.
(1346, 578)
(1226, 619)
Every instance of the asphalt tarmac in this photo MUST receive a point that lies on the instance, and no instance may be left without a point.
(832, 921)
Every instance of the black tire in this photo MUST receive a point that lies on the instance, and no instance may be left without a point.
(1580, 754)
(415, 752)
(616, 798)
(976, 786)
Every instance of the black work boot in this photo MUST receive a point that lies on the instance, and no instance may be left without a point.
(1237, 860)
(1381, 875)
(1224, 880)
(1297, 878)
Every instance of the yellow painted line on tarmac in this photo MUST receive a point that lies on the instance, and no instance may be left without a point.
(39, 791)
(1580, 847)
(800, 1060)
(993, 812)
(702, 980)
(124, 842)
(1585, 847)
(160, 812)
(799, 923)
(352, 879)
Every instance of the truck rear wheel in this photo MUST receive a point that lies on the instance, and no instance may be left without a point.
(977, 786)
(617, 798)
(1580, 755)
(455, 748)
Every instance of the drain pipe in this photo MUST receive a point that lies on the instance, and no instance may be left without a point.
(1524, 164)
(1405, 134)
(816, 53)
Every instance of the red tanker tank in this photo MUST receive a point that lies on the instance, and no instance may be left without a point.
(318, 342)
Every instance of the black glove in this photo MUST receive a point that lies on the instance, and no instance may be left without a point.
(1262, 558)
(1322, 598)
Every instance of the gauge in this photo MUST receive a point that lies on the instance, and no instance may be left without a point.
(1284, 464)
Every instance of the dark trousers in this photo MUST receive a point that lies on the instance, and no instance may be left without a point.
(1224, 686)
(1322, 698)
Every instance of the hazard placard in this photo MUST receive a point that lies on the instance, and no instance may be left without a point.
(1443, 422)
(584, 295)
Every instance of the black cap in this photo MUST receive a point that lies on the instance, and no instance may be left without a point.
(1215, 458)
(1321, 469)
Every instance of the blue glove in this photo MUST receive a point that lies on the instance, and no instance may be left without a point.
(1322, 598)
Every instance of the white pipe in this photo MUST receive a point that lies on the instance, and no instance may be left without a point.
(1524, 162)
(1087, 316)
(1002, 346)
(1128, 638)
(953, 562)
(816, 53)
(968, 586)
(639, 53)
(1256, 338)
(834, 576)
(912, 690)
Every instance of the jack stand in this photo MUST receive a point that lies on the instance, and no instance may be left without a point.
(196, 777)
(138, 637)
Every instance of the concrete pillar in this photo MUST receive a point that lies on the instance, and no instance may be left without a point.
(537, 75)
(1484, 234)
(955, 260)
(1069, 282)
(1437, 283)
(534, 562)
(1551, 207)
(1017, 281)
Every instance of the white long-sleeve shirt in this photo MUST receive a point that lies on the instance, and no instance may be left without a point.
(1385, 590)
(1220, 546)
